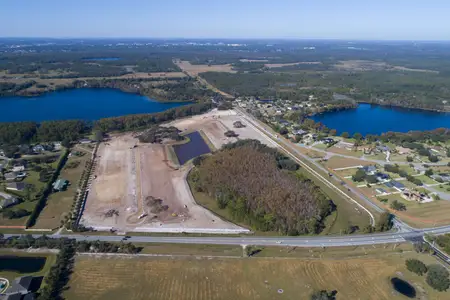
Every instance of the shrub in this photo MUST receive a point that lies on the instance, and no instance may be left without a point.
(437, 278)
(396, 205)
(416, 266)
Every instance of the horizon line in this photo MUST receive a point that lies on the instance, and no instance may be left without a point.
(228, 38)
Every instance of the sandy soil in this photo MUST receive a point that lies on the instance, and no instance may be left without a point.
(214, 124)
(367, 65)
(126, 176)
(293, 64)
(194, 70)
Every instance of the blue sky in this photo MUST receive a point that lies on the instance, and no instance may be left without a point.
(322, 19)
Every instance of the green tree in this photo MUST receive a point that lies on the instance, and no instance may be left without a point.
(324, 295)
(98, 135)
(357, 136)
(409, 159)
(437, 277)
(66, 142)
(359, 175)
(384, 222)
(429, 172)
(416, 266)
(397, 205)
(345, 135)
(333, 132)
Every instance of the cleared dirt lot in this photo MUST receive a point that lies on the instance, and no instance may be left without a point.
(293, 64)
(125, 179)
(214, 124)
(194, 70)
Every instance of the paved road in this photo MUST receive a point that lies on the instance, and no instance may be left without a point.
(310, 241)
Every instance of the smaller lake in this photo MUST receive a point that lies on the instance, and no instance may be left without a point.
(195, 147)
(85, 104)
(100, 58)
(375, 119)
(21, 264)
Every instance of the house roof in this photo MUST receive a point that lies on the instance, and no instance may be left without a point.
(60, 184)
(10, 175)
(8, 202)
(25, 281)
(15, 296)
(29, 296)
(397, 184)
(16, 186)
(369, 168)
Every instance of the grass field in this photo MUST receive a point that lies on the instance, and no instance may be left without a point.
(426, 179)
(260, 278)
(191, 249)
(59, 204)
(343, 162)
(430, 214)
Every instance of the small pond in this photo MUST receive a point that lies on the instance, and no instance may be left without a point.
(21, 264)
(195, 147)
(403, 287)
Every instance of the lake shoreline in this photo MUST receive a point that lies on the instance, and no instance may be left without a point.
(29, 94)
(87, 104)
(370, 118)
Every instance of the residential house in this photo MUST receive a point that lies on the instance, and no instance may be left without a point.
(23, 286)
(381, 191)
(383, 148)
(381, 176)
(11, 176)
(16, 186)
(57, 146)
(85, 141)
(444, 177)
(328, 141)
(415, 196)
(7, 202)
(60, 185)
(38, 149)
(18, 168)
(370, 170)
(397, 185)
(300, 132)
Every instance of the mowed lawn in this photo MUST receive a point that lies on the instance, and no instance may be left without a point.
(430, 214)
(99, 278)
(59, 203)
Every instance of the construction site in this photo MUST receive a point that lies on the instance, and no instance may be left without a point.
(141, 187)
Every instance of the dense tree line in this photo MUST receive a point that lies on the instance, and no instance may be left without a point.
(247, 179)
(132, 122)
(59, 273)
(60, 130)
(16, 133)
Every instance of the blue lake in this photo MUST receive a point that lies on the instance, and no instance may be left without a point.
(85, 104)
(374, 119)
(101, 58)
(195, 147)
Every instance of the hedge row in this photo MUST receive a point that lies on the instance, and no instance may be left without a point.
(47, 191)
